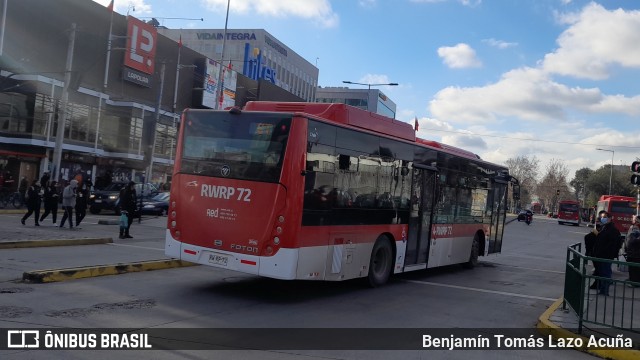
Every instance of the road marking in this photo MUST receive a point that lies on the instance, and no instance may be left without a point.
(136, 246)
(481, 290)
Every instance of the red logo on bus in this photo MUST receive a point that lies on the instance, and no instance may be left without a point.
(141, 45)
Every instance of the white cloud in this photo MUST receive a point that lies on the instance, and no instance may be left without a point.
(465, 141)
(374, 79)
(319, 11)
(367, 3)
(596, 40)
(459, 56)
(500, 44)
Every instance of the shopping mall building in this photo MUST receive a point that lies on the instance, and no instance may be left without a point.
(124, 97)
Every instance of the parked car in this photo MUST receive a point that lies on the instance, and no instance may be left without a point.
(157, 205)
(108, 199)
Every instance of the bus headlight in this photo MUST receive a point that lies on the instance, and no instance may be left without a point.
(276, 240)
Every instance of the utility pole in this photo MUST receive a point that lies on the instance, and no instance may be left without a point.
(152, 132)
(64, 99)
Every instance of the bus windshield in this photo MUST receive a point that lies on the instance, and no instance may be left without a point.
(235, 146)
(569, 207)
(623, 207)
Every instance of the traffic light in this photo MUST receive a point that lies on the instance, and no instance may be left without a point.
(635, 178)
(558, 192)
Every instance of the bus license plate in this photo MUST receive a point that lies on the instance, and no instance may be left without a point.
(218, 259)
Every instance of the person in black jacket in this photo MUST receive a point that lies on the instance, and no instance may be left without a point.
(606, 246)
(128, 204)
(33, 202)
(82, 196)
(632, 249)
(51, 199)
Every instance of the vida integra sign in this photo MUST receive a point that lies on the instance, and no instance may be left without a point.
(255, 67)
(230, 36)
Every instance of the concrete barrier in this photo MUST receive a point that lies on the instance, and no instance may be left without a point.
(55, 275)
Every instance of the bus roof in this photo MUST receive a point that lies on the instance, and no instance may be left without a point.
(350, 115)
(616, 197)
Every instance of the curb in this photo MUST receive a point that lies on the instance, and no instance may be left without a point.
(55, 275)
(547, 327)
(13, 211)
(53, 242)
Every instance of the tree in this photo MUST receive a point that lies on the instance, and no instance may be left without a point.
(526, 171)
(598, 183)
(579, 184)
(554, 180)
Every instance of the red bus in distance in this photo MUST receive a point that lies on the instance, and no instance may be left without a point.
(329, 192)
(569, 212)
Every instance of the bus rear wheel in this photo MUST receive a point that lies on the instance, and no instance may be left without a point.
(381, 262)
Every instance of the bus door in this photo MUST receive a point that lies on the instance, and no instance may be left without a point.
(422, 198)
(498, 214)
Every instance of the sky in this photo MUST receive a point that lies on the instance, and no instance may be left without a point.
(554, 79)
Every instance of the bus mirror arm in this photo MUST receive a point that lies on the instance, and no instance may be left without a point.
(303, 172)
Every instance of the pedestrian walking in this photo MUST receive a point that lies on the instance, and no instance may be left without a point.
(33, 202)
(128, 204)
(69, 202)
(632, 251)
(606, 246)
(51, 200)
(22, 188)
(82, 195)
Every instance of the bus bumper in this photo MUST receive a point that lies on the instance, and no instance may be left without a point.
(280, 266)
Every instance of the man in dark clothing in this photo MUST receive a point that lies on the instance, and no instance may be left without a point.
(51, 198)
(33, 202)
(606, 246)
(128, 204)
(82, 196)
(632, 249)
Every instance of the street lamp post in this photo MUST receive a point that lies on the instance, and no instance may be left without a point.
(611, 175)
(370, 85)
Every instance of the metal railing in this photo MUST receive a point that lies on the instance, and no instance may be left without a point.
(616, 311)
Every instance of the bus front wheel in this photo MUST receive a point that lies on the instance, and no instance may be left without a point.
(381, 262)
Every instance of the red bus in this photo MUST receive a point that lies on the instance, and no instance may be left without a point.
(621, 209)
(536, 208)
(321, 191)
(569, 212)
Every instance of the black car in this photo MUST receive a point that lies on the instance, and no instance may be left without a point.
(157, 205)
(522, 215)
(108, 199)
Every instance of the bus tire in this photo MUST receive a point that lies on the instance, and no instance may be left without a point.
(381, 262)
(475, 252)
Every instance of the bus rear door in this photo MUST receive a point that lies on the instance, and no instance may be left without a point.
(420, 219)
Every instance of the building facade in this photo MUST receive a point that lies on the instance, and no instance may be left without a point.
(372, 100)
(255, 54)
(119, 117)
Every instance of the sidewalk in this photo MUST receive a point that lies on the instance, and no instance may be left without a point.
(26, 250)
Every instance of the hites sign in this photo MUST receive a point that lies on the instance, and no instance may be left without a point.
(255, 66)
